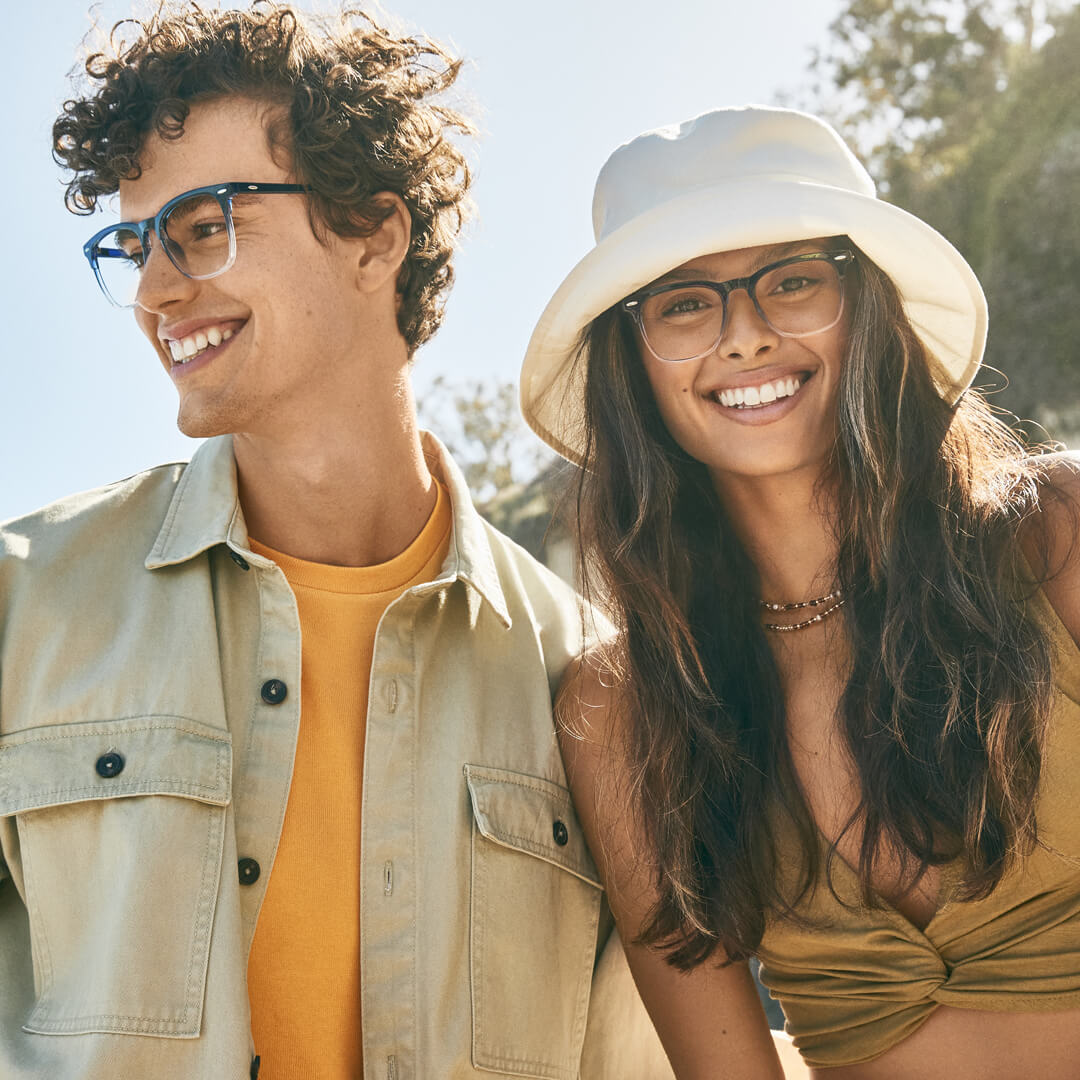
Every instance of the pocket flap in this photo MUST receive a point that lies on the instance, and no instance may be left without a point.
(146, 755)
(530, 814)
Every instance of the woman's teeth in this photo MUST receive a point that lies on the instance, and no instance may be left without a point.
(747, 397)
(188, 348)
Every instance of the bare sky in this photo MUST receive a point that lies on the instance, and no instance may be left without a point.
(555, 87)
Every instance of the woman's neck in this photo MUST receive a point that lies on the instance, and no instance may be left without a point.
(784, 526)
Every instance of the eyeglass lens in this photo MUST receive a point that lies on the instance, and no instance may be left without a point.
(795, 299)
(195, 233)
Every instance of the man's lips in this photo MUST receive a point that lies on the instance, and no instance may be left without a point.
(191, 364)
(186, 341)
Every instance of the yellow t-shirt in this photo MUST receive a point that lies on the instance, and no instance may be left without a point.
(304, 968)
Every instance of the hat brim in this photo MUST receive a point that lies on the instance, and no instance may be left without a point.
(941, 295)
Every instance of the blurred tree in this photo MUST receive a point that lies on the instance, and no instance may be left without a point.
(909, 81)
(1013, 207)
(967, 112)
(480, 424)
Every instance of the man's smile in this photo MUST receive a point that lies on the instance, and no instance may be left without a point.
(187, 342)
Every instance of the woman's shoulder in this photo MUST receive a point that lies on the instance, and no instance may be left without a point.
(1054, 544)
(589, 708)
(1062, 468)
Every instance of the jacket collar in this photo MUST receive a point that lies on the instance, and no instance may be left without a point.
(205, 511)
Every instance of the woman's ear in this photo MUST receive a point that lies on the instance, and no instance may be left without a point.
(382, 251)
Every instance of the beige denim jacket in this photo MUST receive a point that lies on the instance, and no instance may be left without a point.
(149, 706)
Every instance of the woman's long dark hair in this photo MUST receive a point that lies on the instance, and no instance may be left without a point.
(949, 684)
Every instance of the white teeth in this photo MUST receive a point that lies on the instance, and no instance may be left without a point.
(750, 396)
(185, 349)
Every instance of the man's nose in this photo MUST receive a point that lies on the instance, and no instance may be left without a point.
(161, 284)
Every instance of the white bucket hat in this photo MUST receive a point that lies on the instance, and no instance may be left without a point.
(729, 179)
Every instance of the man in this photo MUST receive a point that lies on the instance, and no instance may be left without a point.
(279, 786)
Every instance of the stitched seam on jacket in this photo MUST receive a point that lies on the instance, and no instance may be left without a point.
(141, 787)
(97, 728)
(35, 910)
(491, 776)
(190, 991)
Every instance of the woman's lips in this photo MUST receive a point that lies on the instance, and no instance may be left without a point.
(750, 405)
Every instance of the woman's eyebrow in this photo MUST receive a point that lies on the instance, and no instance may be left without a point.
(771, 254)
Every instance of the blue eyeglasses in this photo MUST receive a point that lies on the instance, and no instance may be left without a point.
(195, 230)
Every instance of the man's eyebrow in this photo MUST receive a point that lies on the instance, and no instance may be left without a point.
(192, 205)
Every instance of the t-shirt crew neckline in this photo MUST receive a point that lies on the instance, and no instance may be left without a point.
(382, 577)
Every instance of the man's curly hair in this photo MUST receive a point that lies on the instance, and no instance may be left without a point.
(359, 121)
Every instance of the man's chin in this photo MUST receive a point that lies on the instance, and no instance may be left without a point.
(201, 426)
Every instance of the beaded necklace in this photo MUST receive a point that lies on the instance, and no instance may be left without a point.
(835, 600)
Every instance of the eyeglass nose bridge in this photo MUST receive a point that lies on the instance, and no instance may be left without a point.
(167, 245)
(146, 230)
(153, 227)
(725, 289)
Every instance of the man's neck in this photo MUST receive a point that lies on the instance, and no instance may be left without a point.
(349, 491)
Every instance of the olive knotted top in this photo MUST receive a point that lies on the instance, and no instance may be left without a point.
(856, 981)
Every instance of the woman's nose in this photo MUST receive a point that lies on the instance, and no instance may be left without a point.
(746, 334)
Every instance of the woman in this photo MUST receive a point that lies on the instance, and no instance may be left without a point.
(839, 726)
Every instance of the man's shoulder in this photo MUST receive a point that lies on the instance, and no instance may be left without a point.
(117, 515)
(548, 598)
(512, 560)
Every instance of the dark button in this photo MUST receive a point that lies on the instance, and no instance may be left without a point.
(255, 1067)
(110, 765)
(558, 830)
(274, 691)
(249, 871)
(243, 564)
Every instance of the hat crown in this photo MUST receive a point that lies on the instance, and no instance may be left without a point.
(738, 145)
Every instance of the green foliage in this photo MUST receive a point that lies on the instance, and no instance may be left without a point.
(1014, 210)
(968, 114)
(910, 79)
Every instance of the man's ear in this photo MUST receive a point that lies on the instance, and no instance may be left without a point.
(383, 251)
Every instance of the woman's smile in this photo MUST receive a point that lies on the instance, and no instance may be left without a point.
(757, 400)
(758, 396)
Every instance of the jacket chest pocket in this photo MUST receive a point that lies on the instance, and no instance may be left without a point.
(534, 911)
(121, 829)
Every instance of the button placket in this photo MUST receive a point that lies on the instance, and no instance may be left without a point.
(270, 727)
(389, 846)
